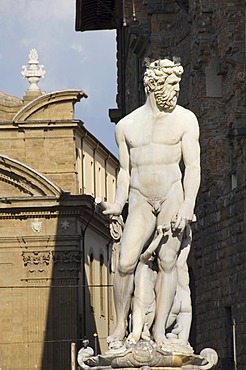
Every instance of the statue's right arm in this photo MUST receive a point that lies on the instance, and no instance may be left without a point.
(123, 178)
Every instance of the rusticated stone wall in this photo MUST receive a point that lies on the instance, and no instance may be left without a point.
(218, 260)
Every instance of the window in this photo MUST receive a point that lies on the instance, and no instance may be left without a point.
(227, 362)
(102, 286)
(213, 80)
(92, 281)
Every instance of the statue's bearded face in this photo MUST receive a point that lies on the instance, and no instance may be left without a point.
(162, 78)
(166, 92)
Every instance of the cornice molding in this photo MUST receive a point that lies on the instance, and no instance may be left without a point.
(45, 101)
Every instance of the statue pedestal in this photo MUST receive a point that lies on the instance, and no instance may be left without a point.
(146, 355)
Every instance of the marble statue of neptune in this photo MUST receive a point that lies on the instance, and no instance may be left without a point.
(152, 141)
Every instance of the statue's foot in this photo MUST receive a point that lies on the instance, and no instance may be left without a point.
(180, 346)
(115, 340)
(130, 339)
(145, 336)
(114, 343)
(171, 336)
(146, 333)
(176, 344)
(118, 334)
(174, 339)
(161, 340)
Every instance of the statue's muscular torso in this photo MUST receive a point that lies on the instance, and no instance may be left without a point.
(155, 151)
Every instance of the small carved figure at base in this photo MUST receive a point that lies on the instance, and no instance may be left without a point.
(143, 301)
(84, 353)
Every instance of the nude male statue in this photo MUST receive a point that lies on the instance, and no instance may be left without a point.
(152, 140)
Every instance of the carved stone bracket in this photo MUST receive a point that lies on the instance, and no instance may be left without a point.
(67, 263)
(36, 262)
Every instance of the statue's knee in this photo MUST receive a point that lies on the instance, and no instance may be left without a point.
(167, 264)
(125, 267)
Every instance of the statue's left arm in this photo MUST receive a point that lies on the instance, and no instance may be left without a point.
(191, 182)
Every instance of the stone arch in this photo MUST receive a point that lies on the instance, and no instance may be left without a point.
(20, 180)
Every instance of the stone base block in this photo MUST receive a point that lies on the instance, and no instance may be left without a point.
(146, 355)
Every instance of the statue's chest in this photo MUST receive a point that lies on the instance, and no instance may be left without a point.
(154, 134)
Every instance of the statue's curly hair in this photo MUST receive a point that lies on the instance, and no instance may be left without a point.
(160, 69)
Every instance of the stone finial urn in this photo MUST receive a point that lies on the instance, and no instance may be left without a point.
(34, 72)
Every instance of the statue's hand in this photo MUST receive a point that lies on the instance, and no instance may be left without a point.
(182, 217)
(113, 209)
(159, 230)
(162, 228)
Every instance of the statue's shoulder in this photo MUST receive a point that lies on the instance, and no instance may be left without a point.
(130, 118)
(186, 115)
(184, 110)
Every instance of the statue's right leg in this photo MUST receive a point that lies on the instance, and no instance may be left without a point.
(139, 227)
(123, 288)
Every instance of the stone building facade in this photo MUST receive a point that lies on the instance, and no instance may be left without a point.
(209, 37)
(55, 246)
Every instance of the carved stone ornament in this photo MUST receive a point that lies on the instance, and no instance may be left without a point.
(147, 355)
(116, 226)
(67, 263)
(67, 257)
(34, 72)
(65, 225)
(36, 261)
(36, 225)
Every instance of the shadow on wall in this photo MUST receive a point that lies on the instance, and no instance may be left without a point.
(68, 286)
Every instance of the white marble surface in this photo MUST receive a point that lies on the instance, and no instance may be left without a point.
(152, 140)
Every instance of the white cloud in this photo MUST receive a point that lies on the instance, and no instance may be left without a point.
(76, 46)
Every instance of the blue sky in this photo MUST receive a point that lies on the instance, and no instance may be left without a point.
(71, 59)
